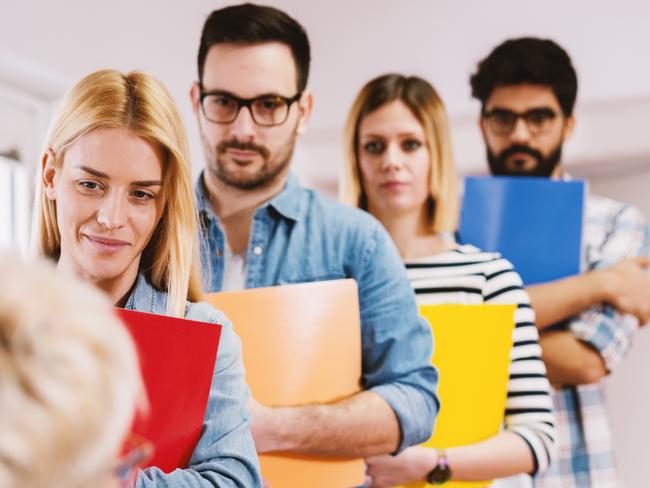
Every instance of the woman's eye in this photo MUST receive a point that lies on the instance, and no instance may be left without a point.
(373, 147)
(88, 186)
(411, 145)
(142, 195)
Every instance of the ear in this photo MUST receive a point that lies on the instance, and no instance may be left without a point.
(482, 125)
(48, 174)
(305, 105)
(569, 125)
(195, 98)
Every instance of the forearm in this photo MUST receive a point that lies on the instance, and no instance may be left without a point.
(570, 361)
(505, 454)
(565, 298)
(360, 426)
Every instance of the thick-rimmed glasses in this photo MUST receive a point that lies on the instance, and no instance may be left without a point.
(266, 110)
(502, 122)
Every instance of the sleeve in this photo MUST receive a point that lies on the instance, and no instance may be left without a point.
(225, 454)
(397, 342)
(529, 406)
(603, 327)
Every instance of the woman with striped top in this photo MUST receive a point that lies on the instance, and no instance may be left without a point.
(400, 169)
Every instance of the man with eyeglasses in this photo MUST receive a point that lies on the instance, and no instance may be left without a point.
(527, 88)
(262, 229)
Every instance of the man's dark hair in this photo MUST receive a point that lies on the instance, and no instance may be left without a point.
(527, 60)
(248, 24)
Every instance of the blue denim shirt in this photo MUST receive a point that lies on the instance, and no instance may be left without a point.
(299, 236)
(225, 454)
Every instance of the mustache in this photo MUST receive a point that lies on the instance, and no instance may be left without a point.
(519, 148)
(242, 146)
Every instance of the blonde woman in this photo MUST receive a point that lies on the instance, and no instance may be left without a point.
(400, 169)
(115, 207)
(69, 381)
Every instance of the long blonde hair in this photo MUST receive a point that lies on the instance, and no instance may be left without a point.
(420, 97)
(69, 379)
(139, 103)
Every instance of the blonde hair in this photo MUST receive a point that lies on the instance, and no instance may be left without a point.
(139, 103)
(69, 379)
(420, 97)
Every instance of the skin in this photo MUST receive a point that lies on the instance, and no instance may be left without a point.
(395, 170)
(626, 285)
(247, 72)
(519, 99)
(363, 424)
(108, 202)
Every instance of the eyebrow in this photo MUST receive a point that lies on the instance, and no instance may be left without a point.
(230, 94)
(99, 174)
(401, 134)
(542, 107)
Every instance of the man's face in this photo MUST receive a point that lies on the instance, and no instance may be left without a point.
(533, 145)
(244, 154)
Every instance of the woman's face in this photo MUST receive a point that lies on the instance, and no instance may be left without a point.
(394, 160)
(108, 194)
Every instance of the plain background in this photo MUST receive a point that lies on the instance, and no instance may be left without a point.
(46, 46)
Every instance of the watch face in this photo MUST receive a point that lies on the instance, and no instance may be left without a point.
(439, 475)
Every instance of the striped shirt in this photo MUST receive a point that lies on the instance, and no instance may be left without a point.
(465, 275)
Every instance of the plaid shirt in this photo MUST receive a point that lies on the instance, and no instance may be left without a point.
(585, 457)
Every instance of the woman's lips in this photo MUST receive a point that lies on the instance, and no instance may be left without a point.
(393, 185)
(107, 245)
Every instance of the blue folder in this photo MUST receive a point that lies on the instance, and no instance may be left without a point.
(536, 223)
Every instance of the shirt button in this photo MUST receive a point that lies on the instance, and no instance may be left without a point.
(257, 250)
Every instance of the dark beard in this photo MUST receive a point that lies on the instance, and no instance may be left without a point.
(264, 177)
(544, 167)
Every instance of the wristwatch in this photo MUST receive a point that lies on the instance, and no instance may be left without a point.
(442, 472)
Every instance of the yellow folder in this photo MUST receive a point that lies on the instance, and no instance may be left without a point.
(301, 344)
(472, 354)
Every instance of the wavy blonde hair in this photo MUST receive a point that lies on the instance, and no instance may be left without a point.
(141, 104)
(425, 104)
(69, 379)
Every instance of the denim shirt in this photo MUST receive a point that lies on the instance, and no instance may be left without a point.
(299, 236)
(225, 454)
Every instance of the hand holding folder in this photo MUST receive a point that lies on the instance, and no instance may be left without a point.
(301, 344)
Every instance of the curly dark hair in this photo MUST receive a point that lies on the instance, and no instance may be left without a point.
(527, 60)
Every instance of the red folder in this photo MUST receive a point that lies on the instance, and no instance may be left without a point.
(177, 359)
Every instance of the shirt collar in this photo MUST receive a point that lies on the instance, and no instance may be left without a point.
(288, 203)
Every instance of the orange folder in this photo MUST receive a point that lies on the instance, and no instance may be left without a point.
(177, 359)
(301, 344)
(472, 354)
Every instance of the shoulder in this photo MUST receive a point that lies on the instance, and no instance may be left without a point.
(607, 210)
(204, 312)
(333, 212)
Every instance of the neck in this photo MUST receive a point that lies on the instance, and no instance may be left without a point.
(117, 289)
(412, 234)
(235, 207)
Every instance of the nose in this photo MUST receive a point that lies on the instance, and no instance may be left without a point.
(520, 132)
(243, 127)
(112, 213)
(392, 158)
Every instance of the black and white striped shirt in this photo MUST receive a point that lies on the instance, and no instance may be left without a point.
(465, 275)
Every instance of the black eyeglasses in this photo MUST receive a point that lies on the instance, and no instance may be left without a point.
(267, 110)
(502, 122)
